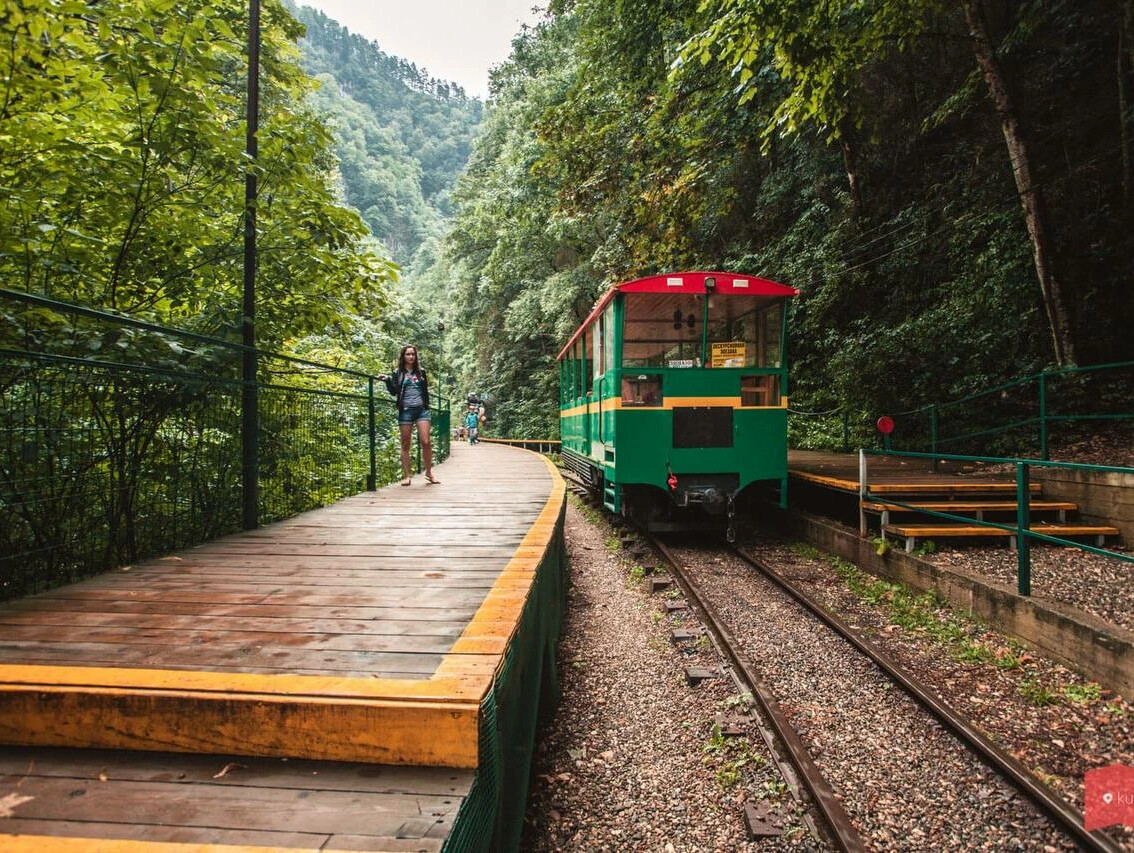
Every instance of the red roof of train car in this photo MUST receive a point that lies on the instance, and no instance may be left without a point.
(685, 282)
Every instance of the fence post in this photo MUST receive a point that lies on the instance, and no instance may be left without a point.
(372, 479)
(1023, 524)
(862, 489)
(1043, 415)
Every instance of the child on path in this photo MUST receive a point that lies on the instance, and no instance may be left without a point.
(472, 424)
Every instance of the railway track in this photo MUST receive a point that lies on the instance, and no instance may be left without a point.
(793, 757)
(835, 818)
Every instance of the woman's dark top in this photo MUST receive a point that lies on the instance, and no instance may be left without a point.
(396, 385)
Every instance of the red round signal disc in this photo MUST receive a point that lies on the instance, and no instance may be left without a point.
(885, 425)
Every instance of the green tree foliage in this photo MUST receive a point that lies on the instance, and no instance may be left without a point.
(121, 153)
(852, 150)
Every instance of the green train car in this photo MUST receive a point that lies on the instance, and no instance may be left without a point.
(673, 395)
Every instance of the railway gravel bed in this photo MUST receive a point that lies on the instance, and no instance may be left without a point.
(630, 760)
(1054, 721)
(906, 782)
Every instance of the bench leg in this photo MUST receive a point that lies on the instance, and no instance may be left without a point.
(1012, 542)
(1063, 515)
(885, 517)
(1100, 541)
(909, 544)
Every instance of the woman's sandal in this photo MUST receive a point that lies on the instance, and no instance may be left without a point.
(406, 481)
(433, 481)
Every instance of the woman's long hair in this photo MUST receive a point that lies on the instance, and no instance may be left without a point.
(417, 360)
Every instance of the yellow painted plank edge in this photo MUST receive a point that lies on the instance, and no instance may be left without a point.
(55, 844)
(499, 616)
(442, 734)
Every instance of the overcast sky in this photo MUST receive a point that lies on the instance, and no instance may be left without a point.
(457, 40)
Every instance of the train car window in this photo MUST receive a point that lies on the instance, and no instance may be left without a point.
(588, 363)
(577, 372)
(760, 390)
(662, 330)
(608, 339)
(771, 326)
(733, 335)
(641, 389)
(600, 342)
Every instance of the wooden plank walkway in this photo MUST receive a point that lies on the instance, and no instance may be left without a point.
(368, 631)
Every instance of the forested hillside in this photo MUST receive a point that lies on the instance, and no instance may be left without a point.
(402, 137)
(948, 185)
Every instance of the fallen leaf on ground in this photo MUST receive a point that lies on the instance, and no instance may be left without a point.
(232, 765)
(10, 801)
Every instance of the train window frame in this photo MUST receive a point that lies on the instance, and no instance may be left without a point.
(598, 344)
(760, 390)
(658, 315)
(633, 395)
(755, 331)
(608, 339)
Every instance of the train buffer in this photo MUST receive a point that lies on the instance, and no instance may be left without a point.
(336, 680)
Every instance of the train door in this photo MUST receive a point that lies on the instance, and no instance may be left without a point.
(585, 386)
(598, 349)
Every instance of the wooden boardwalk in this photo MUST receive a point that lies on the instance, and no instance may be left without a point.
(366, 633)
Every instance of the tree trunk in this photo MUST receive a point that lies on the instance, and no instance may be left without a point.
(850, 165)
(1031, 197)
(1125, 72)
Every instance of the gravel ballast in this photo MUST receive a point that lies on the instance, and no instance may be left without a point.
(630, 761)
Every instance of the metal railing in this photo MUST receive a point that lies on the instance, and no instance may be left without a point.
(1021, 530)
(1015, 418)
(120, 439)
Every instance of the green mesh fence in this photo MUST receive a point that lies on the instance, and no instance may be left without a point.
(121, 440)
(525, 691)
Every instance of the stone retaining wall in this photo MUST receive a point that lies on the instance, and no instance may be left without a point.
(1087, 644)
(1103, 497)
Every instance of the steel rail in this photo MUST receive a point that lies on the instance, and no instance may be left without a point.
(1062, 813)
(802, 766)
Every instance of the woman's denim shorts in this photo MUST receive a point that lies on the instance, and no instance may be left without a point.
(413, 414)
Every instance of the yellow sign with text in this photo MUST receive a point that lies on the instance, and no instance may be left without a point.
(728, 354)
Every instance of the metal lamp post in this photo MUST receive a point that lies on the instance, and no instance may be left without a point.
(250, 473)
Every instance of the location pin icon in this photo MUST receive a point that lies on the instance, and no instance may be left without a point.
(1108, 798)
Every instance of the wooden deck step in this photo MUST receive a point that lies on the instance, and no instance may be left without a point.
(979, 508)
(913, 532)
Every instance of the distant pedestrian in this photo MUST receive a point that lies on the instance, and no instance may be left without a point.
(409, 384)
(472, 424)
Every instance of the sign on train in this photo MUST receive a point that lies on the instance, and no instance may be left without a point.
(728, 354)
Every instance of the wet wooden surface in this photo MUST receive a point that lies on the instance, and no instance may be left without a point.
(91, 795)
(370, 629)
(894, 475)
(378, 585)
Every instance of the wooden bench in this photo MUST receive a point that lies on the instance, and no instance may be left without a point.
(977, 507)
(912, 532)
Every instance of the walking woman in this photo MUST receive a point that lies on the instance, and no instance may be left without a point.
(409, 385)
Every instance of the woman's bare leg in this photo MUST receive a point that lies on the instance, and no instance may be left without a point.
(426, 446)
(407, 431)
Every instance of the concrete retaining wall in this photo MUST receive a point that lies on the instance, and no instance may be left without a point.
(1095, 648)
(1103, 497)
